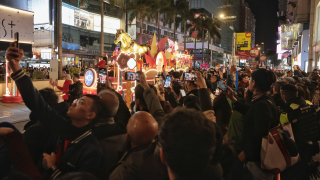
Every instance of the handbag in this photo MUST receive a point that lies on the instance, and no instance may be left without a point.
(279, 150)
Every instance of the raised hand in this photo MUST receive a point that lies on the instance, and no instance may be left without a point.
(14, 56)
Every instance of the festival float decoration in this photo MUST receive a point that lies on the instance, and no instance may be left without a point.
(12, 93)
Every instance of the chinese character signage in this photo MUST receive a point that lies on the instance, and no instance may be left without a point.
(243, 54)
(15, 20)
(243, 41)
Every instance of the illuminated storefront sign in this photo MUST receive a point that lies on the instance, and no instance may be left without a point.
(15, 20)
(77, 17)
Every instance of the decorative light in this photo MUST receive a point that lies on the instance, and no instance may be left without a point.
(124, 57)
(132, 63)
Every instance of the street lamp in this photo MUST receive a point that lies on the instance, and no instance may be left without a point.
(221, 15)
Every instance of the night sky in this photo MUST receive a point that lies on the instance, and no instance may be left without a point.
(265, 12)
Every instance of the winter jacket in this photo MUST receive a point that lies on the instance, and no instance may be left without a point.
(141, 163)
(65, 89)
(83, 153)
(312, 88)
(259, 119)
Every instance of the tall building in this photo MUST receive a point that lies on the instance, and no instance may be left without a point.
(247, 21)
(217, 51)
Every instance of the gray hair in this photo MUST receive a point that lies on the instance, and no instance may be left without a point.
(68, 77)
(111, 101)
(290, 79)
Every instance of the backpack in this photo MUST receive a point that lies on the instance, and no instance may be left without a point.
(305, 123)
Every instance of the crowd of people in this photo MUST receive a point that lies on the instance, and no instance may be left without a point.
(204, 129)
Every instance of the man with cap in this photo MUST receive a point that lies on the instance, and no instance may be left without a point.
(289, 94)
(75, 89)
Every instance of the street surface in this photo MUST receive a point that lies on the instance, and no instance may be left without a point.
(15, 113)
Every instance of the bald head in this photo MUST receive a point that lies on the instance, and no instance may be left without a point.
(142, 128)
(111, 101)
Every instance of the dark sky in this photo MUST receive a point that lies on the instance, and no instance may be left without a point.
(265, 12)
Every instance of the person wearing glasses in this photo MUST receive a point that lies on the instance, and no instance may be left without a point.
(73, 147)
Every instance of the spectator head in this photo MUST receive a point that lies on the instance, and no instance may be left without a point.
(140, 102)
(289, 73)
(192, 102)
(111, 102)
(191, 85)
(288, 91)
(176, 75)
(86, 110)
(314, 76)
(49, 96)
(213, 79)
(277, 86)
(248, 95)
(306, 81)
(261, 81)
(68, 77)
(142, 128)
(240, 91)
(245, 78)
(297, 79)
(209, 86)
(290, 80)
(303, 91)
(187, 141)
(176, 86)
(76, 77)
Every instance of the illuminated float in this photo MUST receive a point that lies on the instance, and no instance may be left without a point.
(132, 57)
(12, 93)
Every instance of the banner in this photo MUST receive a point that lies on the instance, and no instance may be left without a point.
(243, 41)
(243, 54)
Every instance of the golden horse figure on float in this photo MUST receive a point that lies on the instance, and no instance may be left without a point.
(128, 45)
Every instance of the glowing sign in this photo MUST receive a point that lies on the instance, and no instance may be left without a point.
(90, 78)
(131, 63)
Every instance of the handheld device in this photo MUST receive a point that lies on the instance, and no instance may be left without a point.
(168, 81)
(190, 76)
(16, 37)
(222, 86)
(132, 76)
(183, 93)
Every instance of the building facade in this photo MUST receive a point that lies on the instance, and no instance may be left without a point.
(294, 31)
(80, 31)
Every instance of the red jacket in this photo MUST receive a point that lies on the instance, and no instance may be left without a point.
(65, 89)
(101, 64)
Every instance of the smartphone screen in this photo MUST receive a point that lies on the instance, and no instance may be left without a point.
(190, 77)
(132, 76)
(217, 92)
(183, 93)
(222, 86)
(168, 81)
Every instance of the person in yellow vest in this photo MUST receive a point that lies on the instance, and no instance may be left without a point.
(289, 93)
(303, 169)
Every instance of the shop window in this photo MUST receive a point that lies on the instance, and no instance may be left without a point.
(68, 16)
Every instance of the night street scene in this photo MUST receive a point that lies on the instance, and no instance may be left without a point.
(160, 89)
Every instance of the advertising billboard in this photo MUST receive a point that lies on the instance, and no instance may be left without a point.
(244, 41)
(14, 20)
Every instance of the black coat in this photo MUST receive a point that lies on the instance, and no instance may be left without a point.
(279, 102)
(75, 91)
(83, 154)
(259, 119)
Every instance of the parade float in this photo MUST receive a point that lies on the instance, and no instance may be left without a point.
(151, 59)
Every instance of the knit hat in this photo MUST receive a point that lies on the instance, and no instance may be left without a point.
(289, 87)
(77, 75)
